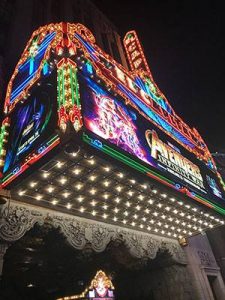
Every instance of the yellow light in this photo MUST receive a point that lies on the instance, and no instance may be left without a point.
(82, 209)
(117, 200)
(76, 171)
(38, 197)
(33, 184)
(63, 180)
(93, 202)
(69, 205)
(46, 174)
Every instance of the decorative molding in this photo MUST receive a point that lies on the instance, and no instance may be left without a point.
(81, 232)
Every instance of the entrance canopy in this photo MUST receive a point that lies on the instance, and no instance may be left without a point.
(83, 134)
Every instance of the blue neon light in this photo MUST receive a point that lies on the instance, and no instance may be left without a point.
(160, 121)
(28, 70)
(88, 47)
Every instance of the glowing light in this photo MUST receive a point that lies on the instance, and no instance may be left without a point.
(39, 197)
(69, 205)
(33, 184)
(77, 171)
(46, 174)
(50, 189)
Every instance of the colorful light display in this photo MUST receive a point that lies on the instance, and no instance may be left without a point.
(112, 120)
(101, 287)
(127, 114)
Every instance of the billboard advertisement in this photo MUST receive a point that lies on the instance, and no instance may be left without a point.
(120, 125)
(31, 123)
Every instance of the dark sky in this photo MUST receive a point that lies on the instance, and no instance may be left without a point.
(184, 45)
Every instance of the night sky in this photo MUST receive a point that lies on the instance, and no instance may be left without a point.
(184, 45)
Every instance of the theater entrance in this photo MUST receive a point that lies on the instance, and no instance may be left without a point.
(43, 265)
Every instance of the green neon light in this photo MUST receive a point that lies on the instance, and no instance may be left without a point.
(60, 96)
(71, 84)
(2, 134)
(77, 89)
(63, 88)
(134, 164)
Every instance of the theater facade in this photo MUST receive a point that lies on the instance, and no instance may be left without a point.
(97, 150)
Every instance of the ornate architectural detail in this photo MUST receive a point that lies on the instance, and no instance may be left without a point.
(204, 257)
(81, 233)
(17, 221)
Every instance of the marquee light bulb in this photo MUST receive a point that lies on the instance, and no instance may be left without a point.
(77, 171)
(116, 210)
(54, 202)
(105, 207)
(119, 188)
(80, 199)
(33, 184)
(128, 204)
(79, 186)
(106, 183)
(115, 219)
(46, 174)
(117, 200)
(38, 197)
(93, 191)
(107, 169)
(59, 164)
(21, 193)
(138, 207)
(93, 202)
(63, 180)
(93, 212)
(66, 194)
(69, 205)
(82, 209)
(50, 189)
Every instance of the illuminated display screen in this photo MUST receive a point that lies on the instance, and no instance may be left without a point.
(120, 125)
(32, 123)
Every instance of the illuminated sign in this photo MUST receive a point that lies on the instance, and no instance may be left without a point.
(124, 108)
(135, 53)
(169, 157)
(120, 125)
(101, 288)
(32, 123)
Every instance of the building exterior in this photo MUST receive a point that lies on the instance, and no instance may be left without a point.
(96, 150)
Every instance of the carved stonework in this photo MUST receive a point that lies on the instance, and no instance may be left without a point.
(17, 221)
(82, 233)
(204, 258)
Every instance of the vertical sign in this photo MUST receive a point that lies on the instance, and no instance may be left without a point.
(135, 52)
